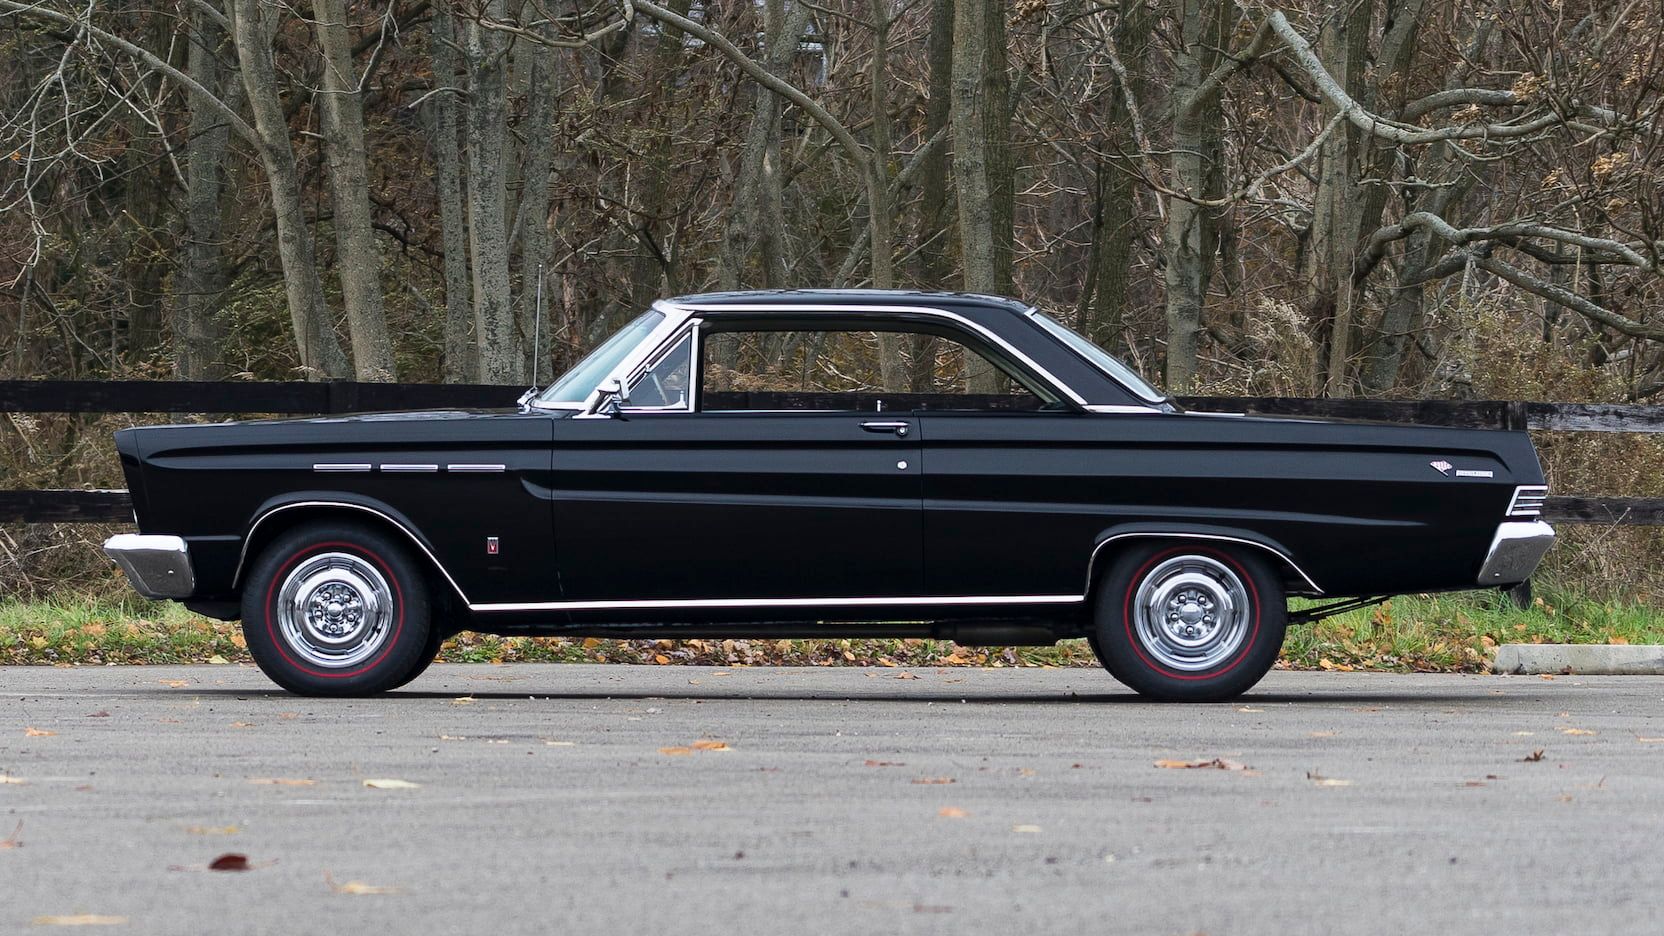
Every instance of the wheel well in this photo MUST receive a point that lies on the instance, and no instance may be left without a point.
(279, 520)
(1104, 556)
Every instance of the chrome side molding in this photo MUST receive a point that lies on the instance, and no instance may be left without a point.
(690, 603)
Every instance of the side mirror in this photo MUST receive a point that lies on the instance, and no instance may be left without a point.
(613, 396)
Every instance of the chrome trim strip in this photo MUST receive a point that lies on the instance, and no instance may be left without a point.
(1034, 312)
(1129, 408)
(242, 556)
(1515, 551)
(156, 566)
(353, 466)
(1091, 565)
(394, 468)
(1533, 491)
(475, 469)
(674, 603)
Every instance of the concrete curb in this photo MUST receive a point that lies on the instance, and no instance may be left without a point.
(1583, 659)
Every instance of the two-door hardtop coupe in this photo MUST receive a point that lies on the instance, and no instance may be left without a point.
(820, 463)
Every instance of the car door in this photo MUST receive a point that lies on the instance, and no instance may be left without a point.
(744, 508)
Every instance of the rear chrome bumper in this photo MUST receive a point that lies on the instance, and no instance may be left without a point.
(1515, 551)
(158, 566)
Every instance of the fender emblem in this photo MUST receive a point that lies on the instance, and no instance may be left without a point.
(491, 546)
(1442, 467)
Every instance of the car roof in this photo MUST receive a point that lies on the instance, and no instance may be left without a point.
(896, 297)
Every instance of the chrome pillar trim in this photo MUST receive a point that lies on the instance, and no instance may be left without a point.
(1091, 567)
(476, 469)
(242, 557)
(1515, 551)
(408, 469)
(341, 466)
(157, 566)
(678, 603)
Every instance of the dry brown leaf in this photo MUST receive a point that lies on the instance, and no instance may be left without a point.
(1320, 734)
(212, 830)
(463, 700)
(1637, 737)
(707, 744)
(884, 763)
(1533, 757)
(905, 675)
(99, 714)
(1249, 708)
(1323, 781)
(1217, 763)
(230, 861)
(660, 658)
(952, 812)
(933, 781)
(357, 888)
(80, 919)
(675, 751)
(38, 733)
(390, 784)
(242, 724)
(8, 778)
(1025, 828)
(281, 781)
(174, 683)
(1577, 731)
(14, 841)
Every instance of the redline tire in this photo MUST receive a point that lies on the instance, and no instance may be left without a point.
(336, 609)
(1187, 622)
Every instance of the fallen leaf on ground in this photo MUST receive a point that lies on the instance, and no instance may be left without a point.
(212, 830)
(1320, 734)
(660, 658)
(80, 919)
(38, 733)
(99, 714)
(218, 660)
(174, 683)
(8, 778)
(230, 861)
(358, 888)
(463, 700)
(1217, 763)
(1249, 708)
(242, 724)
(884, 763)
(14, 841)
(952, 812)
(706, 744)
(1576, 731)
(1533, 757)
(392, 785)
(1637, 737)
(675, 751)
(288, 716)
(1025, 828)
(934, 780)
(281, 781)
(1323, 781)
(905, 676)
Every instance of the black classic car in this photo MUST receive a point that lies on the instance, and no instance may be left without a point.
(825, 464)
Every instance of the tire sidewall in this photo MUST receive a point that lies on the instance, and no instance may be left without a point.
(1126, 658)
(391, 666)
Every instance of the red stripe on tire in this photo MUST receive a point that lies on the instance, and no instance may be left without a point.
(1138, 648)
(398, 602)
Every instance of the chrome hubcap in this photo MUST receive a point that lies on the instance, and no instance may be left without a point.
(334, 610)
(1191, 613)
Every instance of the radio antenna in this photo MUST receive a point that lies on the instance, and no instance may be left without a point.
(537, 327)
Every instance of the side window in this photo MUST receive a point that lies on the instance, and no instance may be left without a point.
(666, 384)
(855, 371)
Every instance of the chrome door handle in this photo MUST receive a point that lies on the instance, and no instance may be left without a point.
(898, 427)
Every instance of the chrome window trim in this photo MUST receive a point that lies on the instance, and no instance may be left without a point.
(691, 332)
(1122, 408)
(242, 556)
(1091, 566)
(1034, 312)
(690, 603)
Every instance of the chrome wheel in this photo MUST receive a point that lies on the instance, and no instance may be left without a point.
(335, 610)
(1191, 613)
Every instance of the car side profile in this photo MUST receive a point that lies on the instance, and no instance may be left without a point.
(818, 463)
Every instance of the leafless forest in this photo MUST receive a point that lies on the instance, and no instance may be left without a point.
(1400, 197)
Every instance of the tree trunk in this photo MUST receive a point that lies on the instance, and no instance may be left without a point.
(358, 260)
(1192, 239)
(934, 224)
(542, 91)
(981, 159)
(321, 356)
(501, 360)
(1337, 208)
(755, 221)
(461, 351)
(1116, 218)
(198, 335)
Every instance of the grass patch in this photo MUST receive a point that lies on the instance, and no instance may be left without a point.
(1444, 633)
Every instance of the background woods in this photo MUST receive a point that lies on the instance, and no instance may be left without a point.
(1318, 198)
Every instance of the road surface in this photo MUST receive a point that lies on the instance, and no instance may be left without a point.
(651, 800)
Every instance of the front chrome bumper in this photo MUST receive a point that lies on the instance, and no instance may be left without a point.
(1515, 551)
(158, 566)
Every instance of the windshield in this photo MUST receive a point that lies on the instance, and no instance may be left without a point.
(1106, 362)
(574, 385)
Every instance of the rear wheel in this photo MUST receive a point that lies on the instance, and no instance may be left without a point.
(337, 609)
(1189, 622)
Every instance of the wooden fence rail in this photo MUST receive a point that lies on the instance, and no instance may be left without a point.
(292, 398)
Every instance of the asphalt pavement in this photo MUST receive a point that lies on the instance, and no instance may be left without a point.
(646, 800)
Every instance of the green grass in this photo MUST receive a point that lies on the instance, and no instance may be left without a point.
(1445, 633)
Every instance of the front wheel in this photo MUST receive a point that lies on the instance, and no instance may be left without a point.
(1188, 622)
(336, 609)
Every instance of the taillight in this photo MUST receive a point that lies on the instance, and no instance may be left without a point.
(1528, 500)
